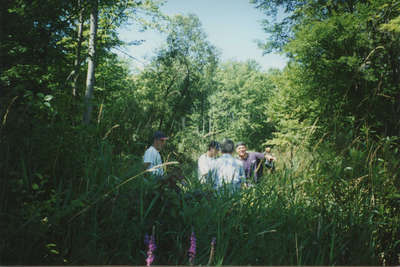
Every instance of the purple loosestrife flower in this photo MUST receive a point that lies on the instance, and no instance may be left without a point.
(192, 249)
(151, 248)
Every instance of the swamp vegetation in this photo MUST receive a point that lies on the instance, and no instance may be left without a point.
(72, 187)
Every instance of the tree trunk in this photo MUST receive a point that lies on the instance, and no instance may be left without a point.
(90, 79)
(77, 62)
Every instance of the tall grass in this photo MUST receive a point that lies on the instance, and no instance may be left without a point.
(318, 208)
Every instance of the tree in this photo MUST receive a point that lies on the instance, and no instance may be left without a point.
(74, 75)
(349, 61)
(170, 86)
(113, 14)
(90, 78)
(238, 107)
(341, 88)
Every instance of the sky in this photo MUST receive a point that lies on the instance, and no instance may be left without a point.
(233, 26)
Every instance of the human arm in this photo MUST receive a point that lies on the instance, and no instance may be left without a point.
(202, 166)
(270, 157)
(258, 155)
(268, 154)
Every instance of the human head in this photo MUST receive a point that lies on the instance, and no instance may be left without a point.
(213, 148)
(227, 146)
(268, 149)
(159, 139)
(241, 149)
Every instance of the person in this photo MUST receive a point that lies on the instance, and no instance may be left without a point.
(207, 160)
(270, 159)
(152, 158)
(228, 171)
(252, 164)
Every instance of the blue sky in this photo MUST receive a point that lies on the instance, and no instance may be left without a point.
(231, 25)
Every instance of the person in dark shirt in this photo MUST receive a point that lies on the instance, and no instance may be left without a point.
(269, 159)
(252, 162)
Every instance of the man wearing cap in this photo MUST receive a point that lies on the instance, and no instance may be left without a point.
(152, 155)
(207, 160)
(251, 161)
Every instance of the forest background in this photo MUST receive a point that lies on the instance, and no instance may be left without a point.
(75, 123)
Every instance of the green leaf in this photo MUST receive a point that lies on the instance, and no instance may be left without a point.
(48, 98)
(54, 251)
(35, 187)
(394, 196)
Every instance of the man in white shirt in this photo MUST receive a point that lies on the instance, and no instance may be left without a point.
(152, 158)
(206, 161)
(228, 171)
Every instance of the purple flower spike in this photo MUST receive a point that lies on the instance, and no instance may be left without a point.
(151, 248)
(192, 249)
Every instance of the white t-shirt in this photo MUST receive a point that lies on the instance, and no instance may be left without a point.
(228, 170)
(153, 157)
(205, 164)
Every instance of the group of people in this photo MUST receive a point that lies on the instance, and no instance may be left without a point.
(218, 171)
(247, 167)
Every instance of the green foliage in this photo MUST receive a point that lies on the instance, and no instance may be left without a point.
(325, 210)
(238, 107)
(392, 26)
(292, 110)
(343, 59)
(176, 84)
(78, 195)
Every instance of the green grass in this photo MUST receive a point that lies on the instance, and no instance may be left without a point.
(316, 209)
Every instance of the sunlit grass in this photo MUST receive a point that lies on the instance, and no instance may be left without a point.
(325, 211)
